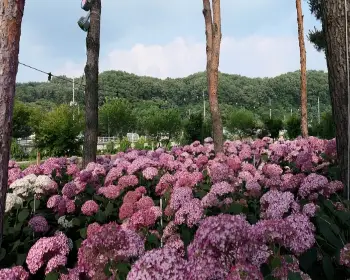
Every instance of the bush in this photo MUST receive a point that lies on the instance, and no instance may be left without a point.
(17, 151)
(326, 129)
(195, 129)
(242, 122)
(110, 148)
(273, 126)
(124, 145)
(140, 144)
(58, 132)
(293, 126)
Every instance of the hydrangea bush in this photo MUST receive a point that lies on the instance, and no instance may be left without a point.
(260, 210)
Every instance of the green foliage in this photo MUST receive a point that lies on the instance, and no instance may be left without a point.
(17, 151)
(316, 37)
(116, 118)
(140, 144)
(21, 120)
(58, 133)
(242, 122)
(326, 128)
(124, 144)
(155, 122)
(273, 126)
(110, 148)
(234, 90)
(293, 126)
(195, 129)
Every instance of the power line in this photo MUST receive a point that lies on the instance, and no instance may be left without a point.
(49, 74)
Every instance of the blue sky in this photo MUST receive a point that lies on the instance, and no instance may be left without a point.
(164, 38)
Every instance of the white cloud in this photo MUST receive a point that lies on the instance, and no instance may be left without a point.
(253, 56)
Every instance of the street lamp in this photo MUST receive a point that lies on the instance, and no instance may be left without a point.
(84, 22)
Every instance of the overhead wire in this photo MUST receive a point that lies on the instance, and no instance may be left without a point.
(50, 75)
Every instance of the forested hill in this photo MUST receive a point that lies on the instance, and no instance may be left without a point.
(236, 90)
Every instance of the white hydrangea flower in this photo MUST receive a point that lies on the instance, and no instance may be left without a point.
(42, 184)
(24, 186)
(64, 222)
(11, 201)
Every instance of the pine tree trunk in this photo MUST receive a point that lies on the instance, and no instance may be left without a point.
(91, 92)
(11, 13)
(335, 35)
(303, 90)
(213, 41)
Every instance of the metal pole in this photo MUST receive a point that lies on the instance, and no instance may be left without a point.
(73, 92)
(318, 110)
(203, 105)
(73, 103)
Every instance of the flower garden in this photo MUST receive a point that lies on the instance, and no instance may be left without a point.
(261, 210)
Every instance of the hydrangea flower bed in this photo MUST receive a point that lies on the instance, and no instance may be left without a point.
(260, 210)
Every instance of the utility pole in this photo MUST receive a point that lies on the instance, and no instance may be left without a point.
(203, 106)
(73, 99)
(270, 108)
(318, 110)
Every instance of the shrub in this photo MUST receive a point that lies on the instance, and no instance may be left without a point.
(195, 129)
(58, 133)
(273, 126)
(17, 151)
(242, 122)
(326, 129)
(110, 148)
(124, 145)
(293, 126)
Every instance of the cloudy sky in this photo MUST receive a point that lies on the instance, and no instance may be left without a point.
(163, 38)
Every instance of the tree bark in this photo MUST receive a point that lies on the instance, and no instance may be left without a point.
(11, 13)
(91, 93)
(335, 34)
(213, 41)
(303, 90)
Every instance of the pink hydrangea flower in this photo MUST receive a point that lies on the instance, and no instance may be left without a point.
(39, 224)
(14, 273)
(48, 250)
(89, 208)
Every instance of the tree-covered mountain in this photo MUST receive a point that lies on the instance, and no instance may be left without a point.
(255, 94)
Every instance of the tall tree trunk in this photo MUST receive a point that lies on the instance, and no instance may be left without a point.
(303, 91)
(11, 13)
(91, 93)
(335, 34)
(213, 40)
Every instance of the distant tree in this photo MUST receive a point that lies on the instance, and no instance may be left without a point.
(11, 13)
(91, 93)
(303, 91)
(58, 133)
(21, 120)
(242, 122)
(116, 118)
(157, 122)
(212, 17)
(293, 126)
